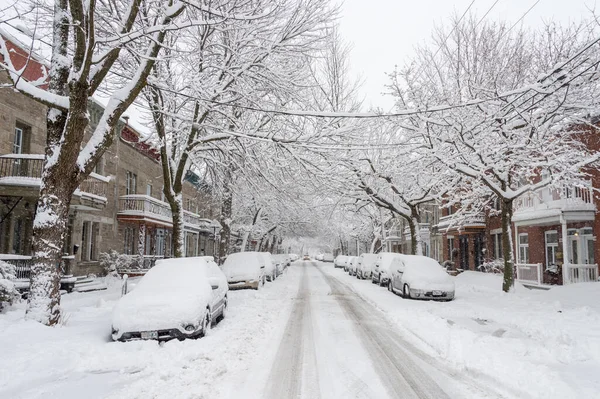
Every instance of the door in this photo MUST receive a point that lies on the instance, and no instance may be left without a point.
(573, 246)
(463, 249)
(479, 245)
(397, 269)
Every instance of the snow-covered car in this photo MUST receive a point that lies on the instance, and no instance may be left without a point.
(381, 270)
(294, 257)
(366, 266)
(349, 264)
(270, 269)
(421, 277)
(281, 261)
(328, 258)
(340, 261)
(319, 257)
(355, 265)
(245, 270)
(178, 298)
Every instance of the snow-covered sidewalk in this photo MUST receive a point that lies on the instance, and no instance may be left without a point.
(542, 344)
(79, 360)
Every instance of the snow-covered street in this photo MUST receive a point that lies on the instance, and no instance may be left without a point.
(316, 332)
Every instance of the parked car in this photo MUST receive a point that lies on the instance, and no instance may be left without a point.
(354, 265)
(328, 258)
(294, 257)
(340, 261)
(349, 263)
(420, 277)
(245, 270)
(270, 269)
(381, 269)
(319, 257)
(178, 298)
(366, 266)
(281, 263)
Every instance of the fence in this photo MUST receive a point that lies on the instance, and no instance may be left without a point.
(23, 265)
(582, 273)
(529, 273)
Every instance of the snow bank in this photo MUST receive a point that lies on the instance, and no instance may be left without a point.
(532, 343)
(79, 360)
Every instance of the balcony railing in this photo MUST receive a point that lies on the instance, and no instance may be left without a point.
(26, 170)
(147, 206)
(567, 198)
(462, 220)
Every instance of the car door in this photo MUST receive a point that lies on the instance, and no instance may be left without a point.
(397, 269)
(218, 295)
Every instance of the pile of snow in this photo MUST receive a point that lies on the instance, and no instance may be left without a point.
(532, 343)
(78, 359)
(173, 294)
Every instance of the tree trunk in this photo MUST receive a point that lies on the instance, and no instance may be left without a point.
(507, 247)
(176, 204)
(225, 220)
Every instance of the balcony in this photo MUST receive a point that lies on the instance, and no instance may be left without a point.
(21, 175)
(547, 204)
(144, 208)
(461, 221)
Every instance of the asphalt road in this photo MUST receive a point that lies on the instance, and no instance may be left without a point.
(337, 345)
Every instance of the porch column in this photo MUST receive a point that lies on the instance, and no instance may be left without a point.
(141, 239)
(565, 248)
(517, 255)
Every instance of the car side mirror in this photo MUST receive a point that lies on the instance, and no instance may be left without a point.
(215, 287)
(262, 267)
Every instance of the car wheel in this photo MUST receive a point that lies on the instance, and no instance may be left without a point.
(224, 310)
(373, 280)
(206, 323)
(406, 291)
(389, 286)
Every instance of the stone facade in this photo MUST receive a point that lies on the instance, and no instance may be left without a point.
(100, 219)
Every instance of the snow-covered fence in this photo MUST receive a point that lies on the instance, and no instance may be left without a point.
(134, 264)
(582, 273)
(529, 273)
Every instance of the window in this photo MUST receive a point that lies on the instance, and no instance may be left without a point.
(89, 240)
(129, 240)
(99, 168)
(451, 248)
(130, 183)
(17, 236)
(551, 247)
(21, 138)
(160, 242)
(18, 141)
(149, 189)
(497, 246)
(523, 248)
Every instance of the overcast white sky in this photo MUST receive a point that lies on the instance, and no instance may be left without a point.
(384, 32)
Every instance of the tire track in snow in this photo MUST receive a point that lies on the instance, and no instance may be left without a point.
(402, 377)
(293, 374)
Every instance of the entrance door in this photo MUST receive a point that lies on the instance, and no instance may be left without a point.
(581, 246)
(463, 248)
(478, 250)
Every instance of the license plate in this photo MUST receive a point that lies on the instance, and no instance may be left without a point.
(149, 334)
(437, 293)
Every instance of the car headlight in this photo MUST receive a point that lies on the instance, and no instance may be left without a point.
(190, 328)
(115, 331)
